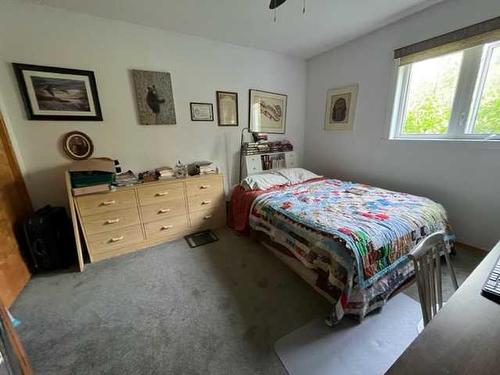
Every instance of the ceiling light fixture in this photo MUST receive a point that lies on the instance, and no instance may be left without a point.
(274, 4)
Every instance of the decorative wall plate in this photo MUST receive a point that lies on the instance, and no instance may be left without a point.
(78, 145)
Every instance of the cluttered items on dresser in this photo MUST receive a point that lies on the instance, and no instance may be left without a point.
(158, 206)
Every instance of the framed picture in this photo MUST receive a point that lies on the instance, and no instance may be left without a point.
(155, 98)
(51, 93)
(340, 108)
(202, 111)
(227, 108)
(78, 145)
(267, 112)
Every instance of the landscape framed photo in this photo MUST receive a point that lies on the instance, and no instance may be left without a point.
(155, 97)
(340, 108)
(267, 112)
(227, 108)
(58, 94)
(202, 111)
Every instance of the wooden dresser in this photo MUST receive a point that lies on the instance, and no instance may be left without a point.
(139, 216)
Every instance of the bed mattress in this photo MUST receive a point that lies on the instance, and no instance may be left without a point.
(354, 237)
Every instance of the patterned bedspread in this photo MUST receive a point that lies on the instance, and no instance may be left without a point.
(354, 233)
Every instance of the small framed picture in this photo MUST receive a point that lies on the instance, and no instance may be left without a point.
(51, 93)
(227, 108)
(202, 111)
(267, 112)
(340, 108)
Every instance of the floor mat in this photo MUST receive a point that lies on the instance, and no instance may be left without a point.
(201, 238)
(352, 348)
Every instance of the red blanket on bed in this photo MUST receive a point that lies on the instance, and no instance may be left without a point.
(241, 203)
(239, 211)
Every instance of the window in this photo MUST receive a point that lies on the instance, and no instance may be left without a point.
(450, 96)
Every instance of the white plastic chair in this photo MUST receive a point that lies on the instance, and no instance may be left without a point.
(427, 262)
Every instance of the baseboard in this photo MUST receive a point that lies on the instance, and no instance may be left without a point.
(470, 247)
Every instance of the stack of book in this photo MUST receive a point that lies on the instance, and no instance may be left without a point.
(165, 173)
(92, 176)
(249, 148)
(262, 147)
(286, 146)
(126, 179)
(208, 168)
(100, 188)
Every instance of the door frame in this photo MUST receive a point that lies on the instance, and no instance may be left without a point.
(11, 156)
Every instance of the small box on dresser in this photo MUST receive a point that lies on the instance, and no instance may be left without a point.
(135, 217)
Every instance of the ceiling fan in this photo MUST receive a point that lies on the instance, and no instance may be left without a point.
(274, 4)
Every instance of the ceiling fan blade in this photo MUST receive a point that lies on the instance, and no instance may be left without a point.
(275, 3)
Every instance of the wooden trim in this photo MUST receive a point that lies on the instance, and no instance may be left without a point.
(74, 220)
(11, 156)
(15, 342)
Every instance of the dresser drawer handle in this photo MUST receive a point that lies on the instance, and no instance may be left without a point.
(204, 187)
(206, 217)
(164, 211)
(167, 227)
(203, 203)
(112, 221)
(161, 194)
(116, 239)
(108, 203)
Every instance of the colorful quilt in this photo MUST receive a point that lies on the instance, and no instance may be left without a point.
(354, 233)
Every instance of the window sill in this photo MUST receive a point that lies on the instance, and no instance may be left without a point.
(487, 144)
(474, 140)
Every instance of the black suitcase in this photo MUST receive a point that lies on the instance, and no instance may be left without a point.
(48, 237)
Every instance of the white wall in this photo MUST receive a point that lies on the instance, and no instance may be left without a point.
(45, 36)
(464, 177)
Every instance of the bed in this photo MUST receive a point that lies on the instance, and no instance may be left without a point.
(348, 240)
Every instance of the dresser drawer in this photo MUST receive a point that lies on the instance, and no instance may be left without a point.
(109, 221)
(206, 184)
(207, 219)
(160, 193)
(108, 241)
(166, 228)
(106, 202)
(206, 201)
(173, 207)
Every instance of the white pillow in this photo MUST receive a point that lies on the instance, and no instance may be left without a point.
(296, 175)
(263, 181)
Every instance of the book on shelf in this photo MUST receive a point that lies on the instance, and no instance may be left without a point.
(101, 188)
(255, 148)
(125, 179)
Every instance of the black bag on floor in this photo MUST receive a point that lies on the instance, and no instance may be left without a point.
(48, 237)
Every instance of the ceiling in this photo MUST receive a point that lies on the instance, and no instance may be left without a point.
(249, 23)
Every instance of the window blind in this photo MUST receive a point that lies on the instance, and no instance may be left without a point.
(467, 37)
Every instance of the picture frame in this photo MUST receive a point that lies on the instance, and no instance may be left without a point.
(77, 145)
(267, 112)
(154, 97)
(202, 111)
(227, 108)
(341, 107)
(58, 94)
